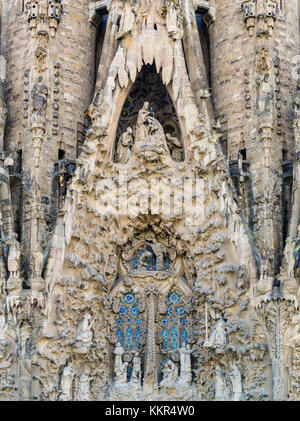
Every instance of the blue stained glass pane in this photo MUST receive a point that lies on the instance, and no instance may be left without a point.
(174, 320)
(129, 299)
(180, 311)
(164, 337)
(164, 322)
(128, 338)
(183, 322)
(123, 310)
(167, 261)
(128, 320)
(164, 360)
(134, 311)
(169, 311)
(174, 338)
(183, 336)
(120, 336)
(137, 338)
(118, 322)
(138, 321)
(129, 372)
(135, 263)
(173, 298)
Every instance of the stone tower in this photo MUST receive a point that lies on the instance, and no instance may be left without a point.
(149, 195)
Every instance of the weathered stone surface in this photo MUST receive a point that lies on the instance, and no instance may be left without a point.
(149, 200)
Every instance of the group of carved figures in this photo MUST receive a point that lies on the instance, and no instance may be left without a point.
(171, 378)
(148, 134)
(222, 389)
(149, 258)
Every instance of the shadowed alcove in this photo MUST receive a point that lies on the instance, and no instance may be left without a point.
(149, 87)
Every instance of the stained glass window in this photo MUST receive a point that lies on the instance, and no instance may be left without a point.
(128, 323)
(174, 329)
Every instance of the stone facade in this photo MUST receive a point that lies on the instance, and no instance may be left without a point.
(149, 198)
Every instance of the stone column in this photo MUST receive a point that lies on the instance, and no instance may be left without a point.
(150, 378)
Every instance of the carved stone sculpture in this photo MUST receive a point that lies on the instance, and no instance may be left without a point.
(84, 387)
(67, 382)
(124, 147)
(170, 377)
(221, 391)
(150, 142)
(236, 381)
(174, 147)
(84, 335)
(185, 364)
(218, 336)
(266, 94)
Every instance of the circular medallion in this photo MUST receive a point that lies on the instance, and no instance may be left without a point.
(129, 299)
(173, 298)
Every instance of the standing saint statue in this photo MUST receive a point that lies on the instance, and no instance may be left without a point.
(67, 383)
(136, 369)
(124, 147)
(14, 256)
(175, 147)
(118, 351)
(236, 381)
(221, 391)
(84, 335)
(185, 363)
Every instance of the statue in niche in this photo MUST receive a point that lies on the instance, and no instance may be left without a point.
(14, 256)
(218, 337)
(39, 95)
(118, 351)
(145, 258)
(84, 387)
(67, 382)
(159, 251)
(150, 143)
(175, 147)
(121, 374)
(37, 282)
(221, 391)
(150, 258)
(136, 369)
(38, 259)
(185, 363)
(236, 381)
(124, 147)
(265, 95)
(145, 116)
(296, 102)
(170, 377)
(289, 258)
(84, 334)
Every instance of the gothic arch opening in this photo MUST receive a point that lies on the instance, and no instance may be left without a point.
(204, 39)
(101, 24)
(149, 87)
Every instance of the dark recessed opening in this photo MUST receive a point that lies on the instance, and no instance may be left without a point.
(243, 153)
(284, 154)
(61, 154)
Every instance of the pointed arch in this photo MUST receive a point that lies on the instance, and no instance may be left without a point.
(133, 97)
